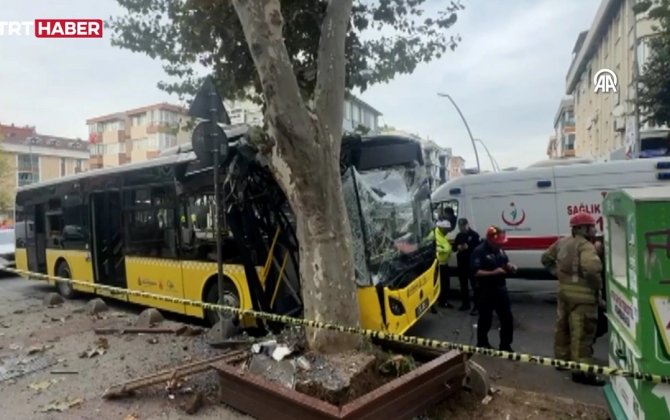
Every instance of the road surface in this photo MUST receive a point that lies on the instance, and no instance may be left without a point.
(534, 310)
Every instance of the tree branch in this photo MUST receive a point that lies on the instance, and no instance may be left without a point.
(289, 119)
(331, 70)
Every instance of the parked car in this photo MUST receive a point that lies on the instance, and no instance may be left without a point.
(7, 248)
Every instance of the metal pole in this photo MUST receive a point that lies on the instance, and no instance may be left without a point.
(636, 78)
(494, 164)
(216, 150)
(474, 146)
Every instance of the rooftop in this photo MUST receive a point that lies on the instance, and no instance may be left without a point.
(11, 134)
(121, 115)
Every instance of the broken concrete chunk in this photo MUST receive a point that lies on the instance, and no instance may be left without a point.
(194, 403)
(303, 363)
(96, 306)
(53, 299)
(280, 352)
(148, 318)
(266, 347)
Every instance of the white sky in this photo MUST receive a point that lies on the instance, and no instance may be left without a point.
(507, 76)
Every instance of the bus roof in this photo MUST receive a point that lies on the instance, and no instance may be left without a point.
(130, 167)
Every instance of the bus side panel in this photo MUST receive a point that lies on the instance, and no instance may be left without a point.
(21, 259)
(80, 263)
(370, 311)
(156, 275)
(196, 274)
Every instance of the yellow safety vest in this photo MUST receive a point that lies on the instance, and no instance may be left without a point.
(442, 245)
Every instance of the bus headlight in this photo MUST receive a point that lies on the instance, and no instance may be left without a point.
(397, 307)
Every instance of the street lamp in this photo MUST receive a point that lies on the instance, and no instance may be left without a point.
(494, 163)
(474, 146)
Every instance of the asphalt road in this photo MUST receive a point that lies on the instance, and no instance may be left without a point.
(534, 310)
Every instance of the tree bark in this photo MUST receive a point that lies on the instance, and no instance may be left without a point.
(305, 161)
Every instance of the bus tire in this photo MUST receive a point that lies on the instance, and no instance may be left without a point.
(65, 289)
(230, 298)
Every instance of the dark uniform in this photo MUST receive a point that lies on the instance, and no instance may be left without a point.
(492, 294)
(472, 240)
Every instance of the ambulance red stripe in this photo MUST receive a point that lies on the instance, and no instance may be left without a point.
(529, 243)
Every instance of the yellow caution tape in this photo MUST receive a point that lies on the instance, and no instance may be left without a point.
(425, 342)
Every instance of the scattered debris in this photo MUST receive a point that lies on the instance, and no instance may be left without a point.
(148, 318)
(266, 347)
(132, 416)
(64, 372)
(53, 299)
(152, 340)
(79, 310)
(124, 389)
(282, 372)
(18, 311)
(15, 346)
(63, 405)
(3, 325)
(41, 386)
(397, 365)
(188, 331)
(303, 363)
(194, 403)
(15, 367)
(39, 348)
(280, 352)
(487, 399)
(100, 348)
(96, 306)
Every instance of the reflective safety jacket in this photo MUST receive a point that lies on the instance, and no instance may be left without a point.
(575, 262)
(443, 247)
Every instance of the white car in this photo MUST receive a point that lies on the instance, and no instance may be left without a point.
(7, 248)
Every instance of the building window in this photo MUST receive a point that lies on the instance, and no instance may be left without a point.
(63, 169)
(138, 119)
(570, 143)
(569, 117)
(347, 110)
(28, 168)
(78, 166)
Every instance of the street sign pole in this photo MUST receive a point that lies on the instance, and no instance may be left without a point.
(210, 145)
(216, 150)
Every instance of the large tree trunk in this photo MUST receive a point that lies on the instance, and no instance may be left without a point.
(304, 157)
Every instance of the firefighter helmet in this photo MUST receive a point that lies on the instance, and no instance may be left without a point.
(582, 219)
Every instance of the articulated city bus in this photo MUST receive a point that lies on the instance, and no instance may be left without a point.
(149, 227)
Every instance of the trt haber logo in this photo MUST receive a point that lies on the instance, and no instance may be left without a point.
(68, 28)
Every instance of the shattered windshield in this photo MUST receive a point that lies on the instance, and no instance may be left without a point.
(391, 219)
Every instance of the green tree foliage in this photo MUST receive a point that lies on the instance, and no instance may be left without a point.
(654, 92)
(386, 38)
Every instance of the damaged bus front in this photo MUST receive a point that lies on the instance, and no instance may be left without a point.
(387, 192)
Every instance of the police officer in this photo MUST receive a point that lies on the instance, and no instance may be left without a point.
(443, 250)
(490, 266)
(466, 241)
(574, 260)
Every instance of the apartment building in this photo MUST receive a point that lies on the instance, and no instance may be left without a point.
(436, 159)
(34, 157)
(562, 142)
(456, 167)
(137, 134)
(357, 113)
(615, 41)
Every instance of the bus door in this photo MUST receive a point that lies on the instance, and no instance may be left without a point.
(107, 233)
(36, 239)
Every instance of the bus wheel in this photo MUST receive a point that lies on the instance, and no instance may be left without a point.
(66, 289)
(230, 321)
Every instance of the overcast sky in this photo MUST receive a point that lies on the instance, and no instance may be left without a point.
(507, 76)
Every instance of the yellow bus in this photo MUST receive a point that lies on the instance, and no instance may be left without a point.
(148, 226)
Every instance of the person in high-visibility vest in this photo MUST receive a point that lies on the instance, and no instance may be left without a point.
(575, 262)
(443, 252)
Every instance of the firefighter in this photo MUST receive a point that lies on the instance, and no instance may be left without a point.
(575, 262)
(443, 248)
(490, 267)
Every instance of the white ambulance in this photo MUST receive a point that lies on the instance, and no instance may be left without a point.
(534, 204)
